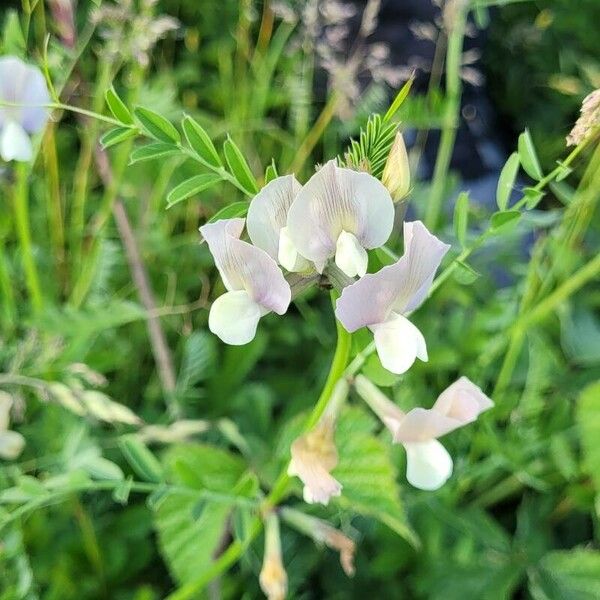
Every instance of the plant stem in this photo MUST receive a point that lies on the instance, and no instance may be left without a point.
(21, 210)
(449, 127)
(236, 548)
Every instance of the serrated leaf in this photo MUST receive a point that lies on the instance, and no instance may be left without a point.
(141, 460)
(504, 219)
(156, 125)
(188, 544)
(198, 361)
(191, 187)
(200, 142)
(200, 466)
(528, 156)
(461, 217)
(239, 167)
(568, 575)
(231, 211)
(116, 136)
(506, 181)
(367, 474)
(588, 420)
(152, 151)
(117, 107)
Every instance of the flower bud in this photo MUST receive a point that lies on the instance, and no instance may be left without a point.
(396, 173)
(273, 578)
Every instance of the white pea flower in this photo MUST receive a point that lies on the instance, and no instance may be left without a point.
(267, 222)
(23, 94)
(11, 442)
(255, 283)
(428, 464)
(273, 577)
(340, 213)
(380, 300)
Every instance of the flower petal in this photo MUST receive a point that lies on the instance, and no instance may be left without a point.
(233, 317)
(287, 254)
(421, 425)
(268, 212)
(335, 200)
(350, 256)
(15, 143)
(401, 287)
(399, 343)
(21, 83)
(428, 465)
(463, 401)
(246, 267)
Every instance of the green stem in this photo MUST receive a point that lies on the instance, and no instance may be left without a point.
(450, 125)
(21, 210)
(235, 550)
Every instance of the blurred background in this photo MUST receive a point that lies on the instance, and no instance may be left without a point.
(295, 81)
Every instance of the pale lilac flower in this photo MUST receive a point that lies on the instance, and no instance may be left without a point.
(267, 222)
(255, 283)
(340, 214)
(428, 464)
(380, 300)
(11, 442)
(23, 89)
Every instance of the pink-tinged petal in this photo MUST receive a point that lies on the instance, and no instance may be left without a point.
(401, 287)
(422, 424)
(24, 84)
(428, 465)
(462, 401)
(336, 200)
(268, 212)
(314, 455)
(424, 253)
(246, 267)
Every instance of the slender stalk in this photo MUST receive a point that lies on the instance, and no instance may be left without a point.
(235, 550)
(9, 310)
(23, 226)
(450, 125)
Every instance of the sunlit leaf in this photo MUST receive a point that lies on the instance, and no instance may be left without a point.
(200, 142)
(117, 107)
(506, 181)
(156, 125)
(239, 167)
(528, 156)
(191, 187)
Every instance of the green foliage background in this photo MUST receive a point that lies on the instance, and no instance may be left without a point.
(519, 518)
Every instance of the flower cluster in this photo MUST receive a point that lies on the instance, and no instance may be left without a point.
(325, 228)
